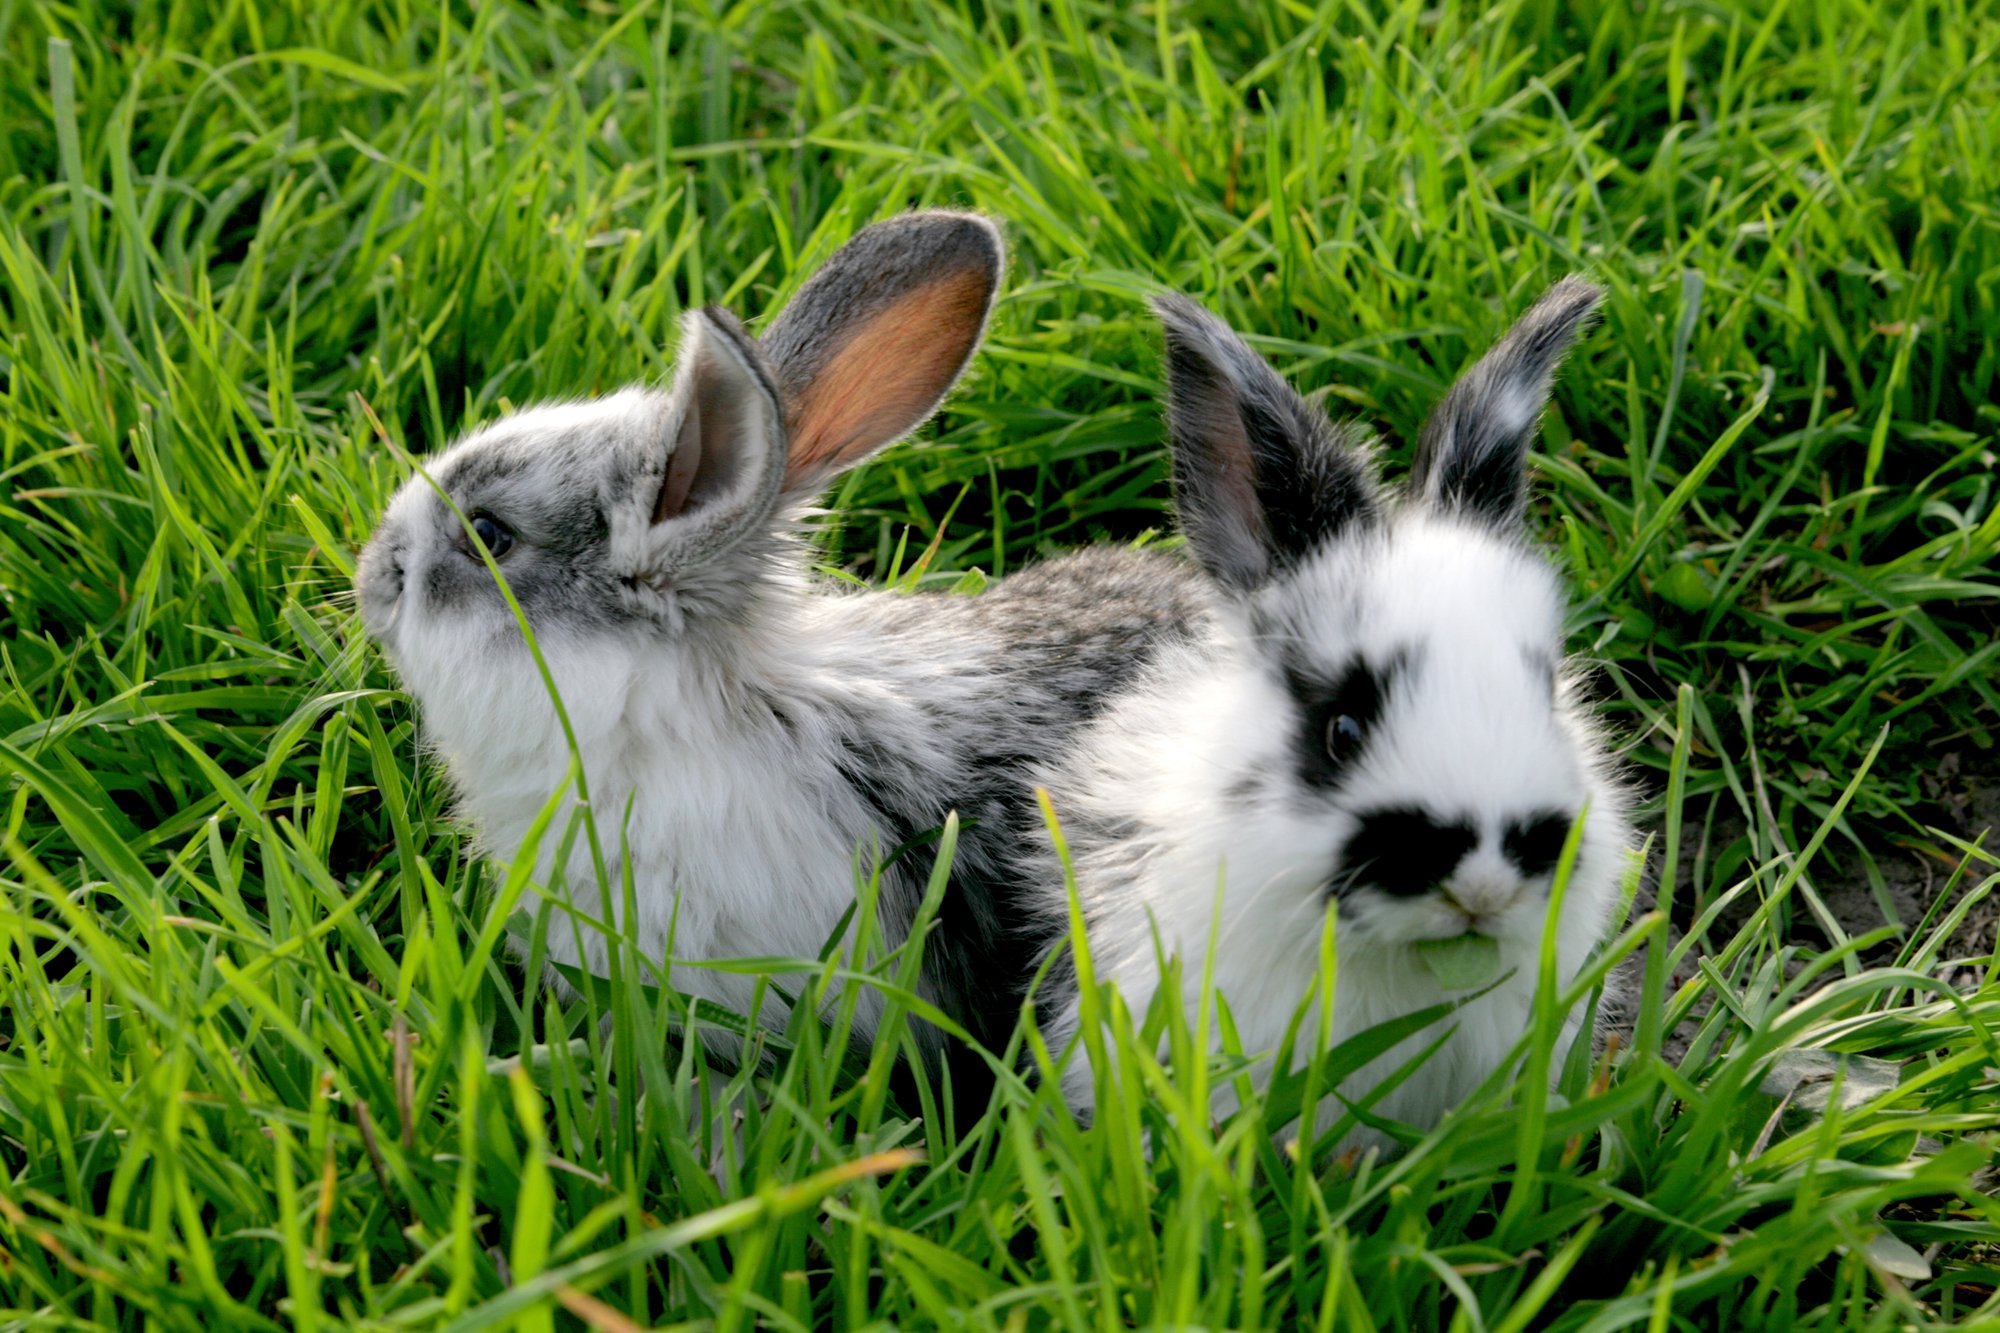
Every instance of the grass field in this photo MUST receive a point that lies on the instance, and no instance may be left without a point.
(264, 1058)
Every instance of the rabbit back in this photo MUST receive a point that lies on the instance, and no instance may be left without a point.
(965, 698)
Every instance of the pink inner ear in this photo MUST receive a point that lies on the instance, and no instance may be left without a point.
(885, 379)
(1228, 473)
(683, 465)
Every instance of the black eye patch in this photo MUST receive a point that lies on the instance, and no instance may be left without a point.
(1336, 717)
(1535, 844)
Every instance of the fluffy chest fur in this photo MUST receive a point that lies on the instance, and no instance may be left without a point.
(739, 832)
(749, 789)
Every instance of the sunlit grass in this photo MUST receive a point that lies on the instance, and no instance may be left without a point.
(268, 1057)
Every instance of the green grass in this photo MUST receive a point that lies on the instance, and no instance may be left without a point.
(264, 1058)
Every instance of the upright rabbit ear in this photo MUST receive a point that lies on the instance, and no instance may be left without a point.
(724, 465)
(867, 349)
(1472, 455)
(1261, 477)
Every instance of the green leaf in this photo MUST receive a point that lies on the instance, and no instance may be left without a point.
(1463, 962)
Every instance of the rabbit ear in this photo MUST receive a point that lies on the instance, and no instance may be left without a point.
(1472, 455)
(1261, 477)
(725, 463)
(868, 348)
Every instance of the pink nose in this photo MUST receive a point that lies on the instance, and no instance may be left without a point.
(1482, 894)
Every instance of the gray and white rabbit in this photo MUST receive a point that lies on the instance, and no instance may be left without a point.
(1378, 719)
(761, 729)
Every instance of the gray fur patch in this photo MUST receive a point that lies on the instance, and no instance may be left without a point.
(991, 687)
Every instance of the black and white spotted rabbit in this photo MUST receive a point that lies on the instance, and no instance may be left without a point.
(1378, 719)
(759, 727)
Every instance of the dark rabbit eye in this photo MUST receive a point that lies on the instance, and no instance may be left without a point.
(1343, 736)
(1339, 715)
(492, 534)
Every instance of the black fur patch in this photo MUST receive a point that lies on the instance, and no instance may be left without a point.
(1404, 851)
(1535, 844)
(1336, 717)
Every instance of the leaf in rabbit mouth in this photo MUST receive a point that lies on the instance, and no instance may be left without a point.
(1462, 962)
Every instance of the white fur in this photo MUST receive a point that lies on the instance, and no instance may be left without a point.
(1517, 406)
(738, 832)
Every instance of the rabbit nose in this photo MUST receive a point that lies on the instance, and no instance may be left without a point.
(1490, 879)
(1483, 890)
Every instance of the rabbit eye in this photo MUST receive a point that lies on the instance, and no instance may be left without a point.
(492, 534)
(1343, 736)
(1338, 715)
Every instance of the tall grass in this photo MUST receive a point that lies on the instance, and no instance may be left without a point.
(266, 1058)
